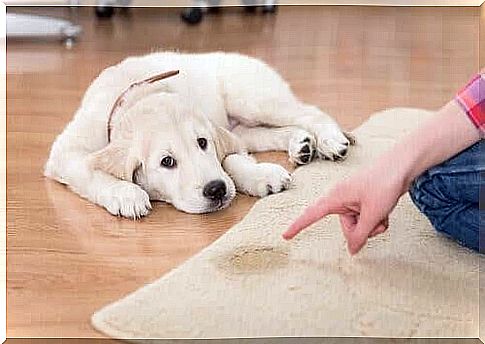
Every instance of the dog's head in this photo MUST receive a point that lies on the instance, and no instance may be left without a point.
(173, 152)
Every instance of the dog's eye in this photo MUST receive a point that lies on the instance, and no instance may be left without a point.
(202, 142)
(168, 162)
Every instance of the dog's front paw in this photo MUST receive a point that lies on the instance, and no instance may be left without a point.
(332, 143)
(268, 179)
(126, 199)
(301, 148)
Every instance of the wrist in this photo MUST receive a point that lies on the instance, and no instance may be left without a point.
(397, 168)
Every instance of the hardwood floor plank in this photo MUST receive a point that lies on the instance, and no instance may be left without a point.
(67, 257)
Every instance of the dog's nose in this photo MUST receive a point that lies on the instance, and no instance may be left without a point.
(215, 190)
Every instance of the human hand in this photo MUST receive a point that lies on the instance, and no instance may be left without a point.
(363, 203)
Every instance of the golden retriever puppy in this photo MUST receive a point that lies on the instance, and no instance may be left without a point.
(142, 135)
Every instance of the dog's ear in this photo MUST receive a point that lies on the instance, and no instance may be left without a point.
(115, 159)
(227, 143)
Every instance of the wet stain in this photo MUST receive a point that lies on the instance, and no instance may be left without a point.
(253, 260)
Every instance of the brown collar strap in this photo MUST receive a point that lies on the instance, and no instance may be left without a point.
(122, 98)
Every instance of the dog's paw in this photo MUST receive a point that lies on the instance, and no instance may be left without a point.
(126, 199)
(302, 147)
(332, 143)
(268, 179)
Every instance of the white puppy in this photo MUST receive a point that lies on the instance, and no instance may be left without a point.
(184, 140)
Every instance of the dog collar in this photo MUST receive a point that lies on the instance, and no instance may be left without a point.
(122, 98)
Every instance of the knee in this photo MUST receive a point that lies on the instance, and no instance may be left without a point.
(447, 215)
(427, 193)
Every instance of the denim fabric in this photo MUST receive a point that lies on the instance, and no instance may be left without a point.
(451, 196)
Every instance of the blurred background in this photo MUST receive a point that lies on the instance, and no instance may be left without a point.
(350, 60)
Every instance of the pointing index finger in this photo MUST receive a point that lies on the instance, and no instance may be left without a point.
(312, 214)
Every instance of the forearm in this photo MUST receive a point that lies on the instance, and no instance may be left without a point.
(447, 133)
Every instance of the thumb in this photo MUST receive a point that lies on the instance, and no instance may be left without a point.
(365, 225)
(324, 206)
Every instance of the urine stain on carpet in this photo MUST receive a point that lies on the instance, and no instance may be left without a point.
(253, 260)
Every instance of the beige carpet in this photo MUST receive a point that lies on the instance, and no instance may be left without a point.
(409, 282)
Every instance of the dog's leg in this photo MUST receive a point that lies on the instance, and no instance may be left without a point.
(260, 97)
(256, 179)
(263, 139)
(299, 143)
(119, 197)
(331, 142)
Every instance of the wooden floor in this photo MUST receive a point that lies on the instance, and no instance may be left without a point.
(67, 257)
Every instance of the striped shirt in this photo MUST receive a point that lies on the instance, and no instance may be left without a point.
(472, 99)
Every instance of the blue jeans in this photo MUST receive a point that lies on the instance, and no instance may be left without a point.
(451, 195)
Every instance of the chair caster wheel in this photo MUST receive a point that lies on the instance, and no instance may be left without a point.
(269, 9)
(192, 16)
(250, 8)
(104, 12)
(69, 43)
(214, 9)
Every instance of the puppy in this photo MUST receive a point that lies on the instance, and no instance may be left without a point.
(142, 135)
